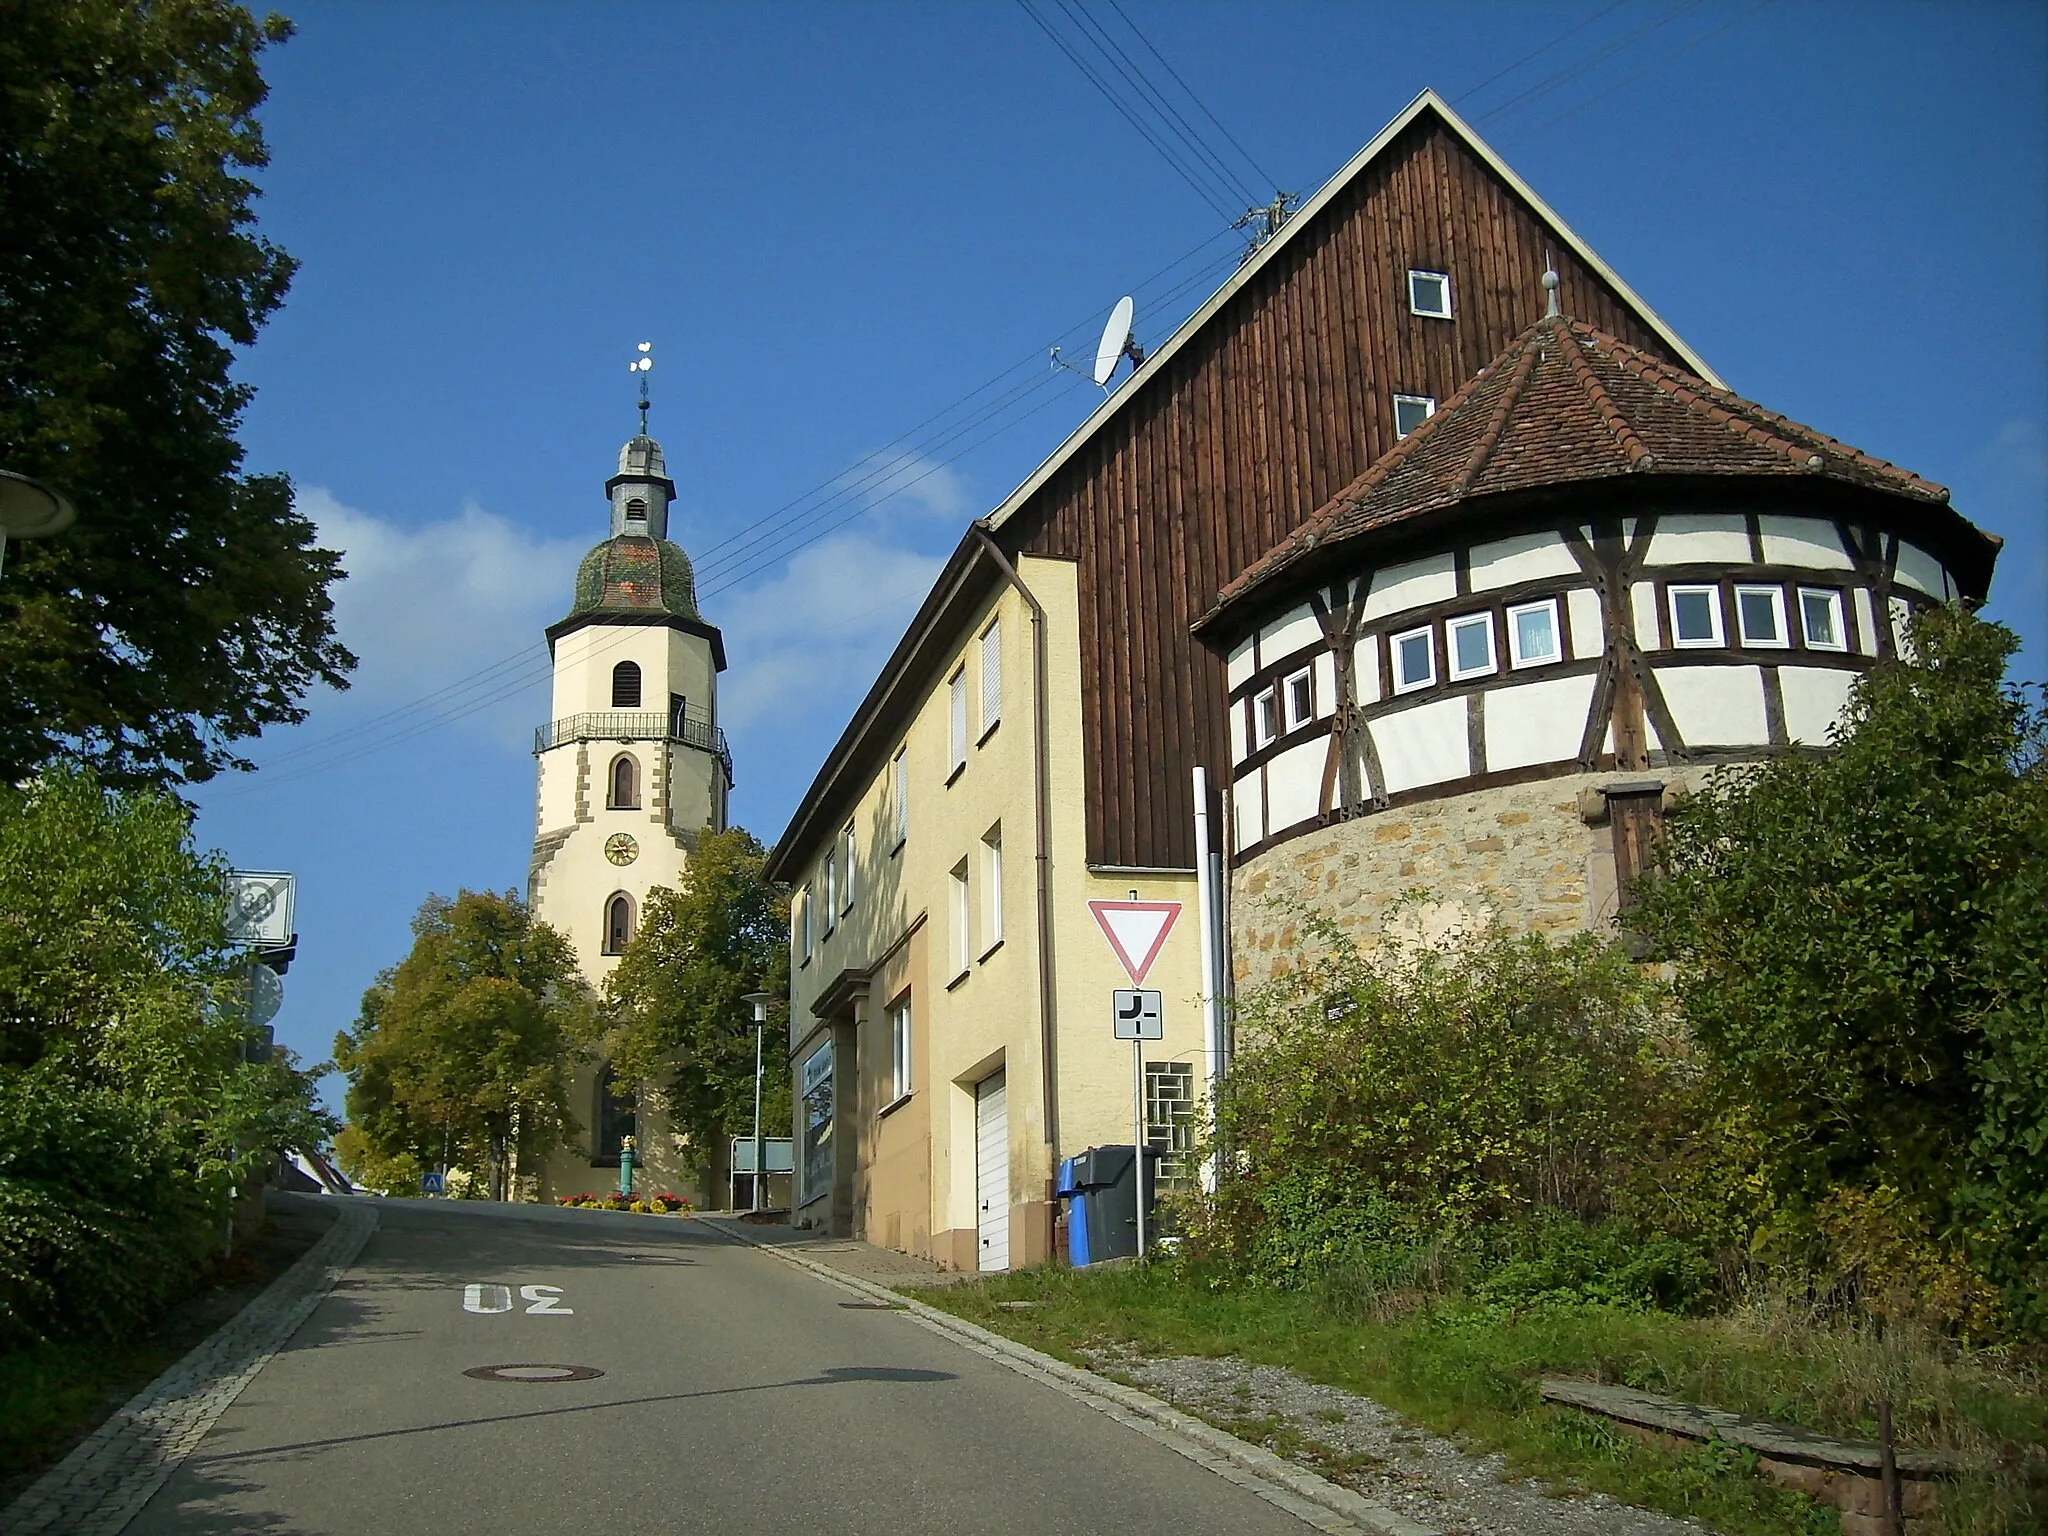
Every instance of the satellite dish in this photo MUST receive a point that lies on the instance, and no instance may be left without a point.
(1117, 341)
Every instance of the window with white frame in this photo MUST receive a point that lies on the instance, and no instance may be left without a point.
(1414, 660)
(1533, 634)
(991, 677)
(1298, 694)
(1265, 718)
(956, 704)
(899, 1049)
(992, 888)
(1696, 615)
(1429, 293)
(1411, 411)
(1760, 616)
(962, 936)
(849, 846)
(1469, 646)
(803, 925)
(831, 884)
(1820, 617)
(899, 794)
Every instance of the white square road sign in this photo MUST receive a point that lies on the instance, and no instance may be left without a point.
(1139, 1015)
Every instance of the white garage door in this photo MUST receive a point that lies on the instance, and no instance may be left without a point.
(992, 1172)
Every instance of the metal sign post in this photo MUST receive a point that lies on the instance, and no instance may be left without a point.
(1138, 1016)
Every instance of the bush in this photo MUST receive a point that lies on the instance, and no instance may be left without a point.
(102, 1219)
(1420, 1094)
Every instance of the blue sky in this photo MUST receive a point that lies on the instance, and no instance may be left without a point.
(852, 232)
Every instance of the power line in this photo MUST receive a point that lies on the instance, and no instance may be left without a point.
(1571, 72)
(1264, 179)
(1474, 90)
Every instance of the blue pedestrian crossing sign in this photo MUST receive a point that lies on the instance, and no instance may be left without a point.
(430, 1183)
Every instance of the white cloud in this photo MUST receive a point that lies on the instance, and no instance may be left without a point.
(427, 606)
(898, 482)
(813, 637)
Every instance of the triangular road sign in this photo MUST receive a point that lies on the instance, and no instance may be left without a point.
(1136, 930)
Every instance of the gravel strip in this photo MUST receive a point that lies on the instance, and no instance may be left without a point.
(1357, 1444)
(111, 1474)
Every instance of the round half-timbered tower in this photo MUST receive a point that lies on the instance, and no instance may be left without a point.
(1486, 668)
(632, 767)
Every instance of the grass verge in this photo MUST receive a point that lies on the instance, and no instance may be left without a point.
(1470, 1373)
(54, 1394)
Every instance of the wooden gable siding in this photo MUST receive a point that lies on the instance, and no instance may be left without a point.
(1282, 399)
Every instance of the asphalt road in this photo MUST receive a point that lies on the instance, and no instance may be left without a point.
(738, 1394)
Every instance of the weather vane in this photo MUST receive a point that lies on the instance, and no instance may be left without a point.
(642, 365)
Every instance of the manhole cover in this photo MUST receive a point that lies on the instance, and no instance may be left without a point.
(534, 1373)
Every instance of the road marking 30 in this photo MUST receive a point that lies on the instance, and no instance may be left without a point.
(543, 1300)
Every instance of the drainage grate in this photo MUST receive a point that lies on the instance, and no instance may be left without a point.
(534, 1374)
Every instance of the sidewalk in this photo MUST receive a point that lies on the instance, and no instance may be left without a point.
(849, 1256)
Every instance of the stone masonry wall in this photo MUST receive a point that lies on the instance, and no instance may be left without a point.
(1524, 856)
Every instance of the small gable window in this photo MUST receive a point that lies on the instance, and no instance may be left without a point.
(1533, 634)
(626, 685)
(618, 924)
(1414, 660)
(1820, 614)
(1760, 615)
(1471, 646)
(1429, 293)
(1411, 411)
(625, 784)
(636, 511)
(1265, 718)
(1696, 616)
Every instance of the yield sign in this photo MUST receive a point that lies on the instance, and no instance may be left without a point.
(1136, 930)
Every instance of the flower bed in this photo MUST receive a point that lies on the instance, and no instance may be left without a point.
(649, 1205)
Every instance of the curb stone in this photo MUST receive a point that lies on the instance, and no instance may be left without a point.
(109, 1476)
(1302, 1493)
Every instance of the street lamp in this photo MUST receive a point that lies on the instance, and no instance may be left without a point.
(760, 1000)
(30, 509)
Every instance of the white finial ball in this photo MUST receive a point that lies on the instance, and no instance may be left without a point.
(1550, 281)
(644, 364)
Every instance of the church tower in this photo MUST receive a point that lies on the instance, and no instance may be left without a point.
(632, 768)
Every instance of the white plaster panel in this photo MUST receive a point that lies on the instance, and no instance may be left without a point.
(1248, 809)
(1716, 706)
(1866, 622)
(1530, 557)
(1424, 745)
(1700, 538)
(1414, 585)
(1921, 571)
(1292, 631)
(1365, 668)
(1294, 783)
(1642, 599)
(1326, 684)
(1803, 541)
(1536, 722)
(1814, 699)
(1238, 748)
(1582, 612)
(1902, 617)
(1239, 668)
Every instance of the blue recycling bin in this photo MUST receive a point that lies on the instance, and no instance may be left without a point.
(1077, 1212)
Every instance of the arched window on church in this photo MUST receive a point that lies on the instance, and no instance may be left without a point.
(626, 685)
(636, 511)
(618, 924)
(625, 784)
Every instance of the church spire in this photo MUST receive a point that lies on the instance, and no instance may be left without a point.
(641, 491)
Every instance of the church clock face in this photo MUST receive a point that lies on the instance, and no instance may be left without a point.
(620, 848)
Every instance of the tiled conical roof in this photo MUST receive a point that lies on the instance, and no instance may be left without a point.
(1568, 404)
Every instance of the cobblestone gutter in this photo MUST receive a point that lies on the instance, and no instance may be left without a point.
(109, 1476)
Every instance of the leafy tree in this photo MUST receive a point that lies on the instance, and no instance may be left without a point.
(188, 608)
(463, 1050)
(677, 1021)
(1858, 940)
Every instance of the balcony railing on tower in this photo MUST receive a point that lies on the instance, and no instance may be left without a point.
(683, 725)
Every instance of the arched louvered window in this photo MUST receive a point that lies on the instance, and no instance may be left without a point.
(636, 511)
(618, 924)
(625, 784)
(626, 685)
